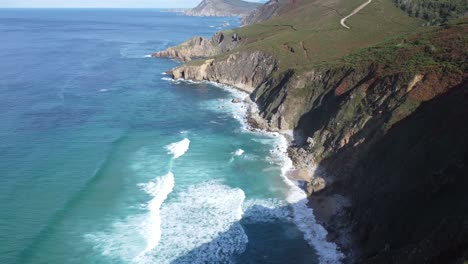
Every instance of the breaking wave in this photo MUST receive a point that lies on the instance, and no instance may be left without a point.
(178, 149)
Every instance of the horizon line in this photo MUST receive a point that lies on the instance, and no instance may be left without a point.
(90, 7)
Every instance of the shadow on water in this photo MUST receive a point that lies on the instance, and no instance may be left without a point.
(263, 235)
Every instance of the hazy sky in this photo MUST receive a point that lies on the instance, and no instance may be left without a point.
(101, 3)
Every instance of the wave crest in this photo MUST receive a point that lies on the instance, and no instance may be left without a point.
(178, 149)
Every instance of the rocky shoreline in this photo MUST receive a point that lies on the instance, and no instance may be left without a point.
(329, 209)
(361, 131)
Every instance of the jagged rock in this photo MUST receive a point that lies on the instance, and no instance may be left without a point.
(316, 184)
(199, 47)
(218, 37)
(235, 37)
(236, 101)
(247, 71)
(310, 142)
(248, 100)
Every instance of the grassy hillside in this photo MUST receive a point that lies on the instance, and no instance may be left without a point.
(309, 32)
(441, 49)
(237, 3)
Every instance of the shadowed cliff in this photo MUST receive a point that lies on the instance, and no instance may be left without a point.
(383, 117)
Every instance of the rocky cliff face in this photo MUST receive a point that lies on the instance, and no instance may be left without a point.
(200, 47)
(222, 8)
(391, 139)
(247, 70)
(262, 13)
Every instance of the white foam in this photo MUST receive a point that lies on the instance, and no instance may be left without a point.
(236, 110)
(265, 210)
(136, 50)
(239, 152)
(147, 56)
(201, 225)
(166, 79)
(103, 90)
(133, 238)
(160, 188)
(303, 215)
(123, 241)
(178, 149)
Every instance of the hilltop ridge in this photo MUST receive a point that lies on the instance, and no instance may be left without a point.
(222, 8)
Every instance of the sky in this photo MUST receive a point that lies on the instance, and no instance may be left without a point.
(101, 3)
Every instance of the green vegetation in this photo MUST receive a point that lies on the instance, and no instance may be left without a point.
(311, 34)
(408, 106)
(428, 50)
(434, 11)
(237, 3)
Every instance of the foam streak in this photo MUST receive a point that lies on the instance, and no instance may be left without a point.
(160, 188)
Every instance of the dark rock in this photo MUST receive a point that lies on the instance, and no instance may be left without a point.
(218, 37)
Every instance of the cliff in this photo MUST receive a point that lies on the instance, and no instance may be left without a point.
(269, 10)
(380, 121)
(222, 8)
(200, 47)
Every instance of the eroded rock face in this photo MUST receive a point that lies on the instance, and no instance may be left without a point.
(244, 70)
(317, 184)
(199, 47)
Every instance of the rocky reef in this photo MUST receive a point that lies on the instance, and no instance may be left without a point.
(384, 128)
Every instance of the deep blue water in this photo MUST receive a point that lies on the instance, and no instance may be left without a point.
(87, 170)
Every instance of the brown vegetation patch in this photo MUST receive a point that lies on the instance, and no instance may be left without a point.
(435, 84)
(344, 86)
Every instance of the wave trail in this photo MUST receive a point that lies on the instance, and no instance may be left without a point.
(160, 188)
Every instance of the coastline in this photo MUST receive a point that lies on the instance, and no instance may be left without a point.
(311, 218)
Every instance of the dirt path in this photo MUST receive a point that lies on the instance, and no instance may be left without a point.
(355, 11)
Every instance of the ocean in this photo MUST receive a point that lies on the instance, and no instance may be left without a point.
(103, 159)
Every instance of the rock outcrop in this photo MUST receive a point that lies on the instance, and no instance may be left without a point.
(244, 70)
(222, 8)
(200, 47)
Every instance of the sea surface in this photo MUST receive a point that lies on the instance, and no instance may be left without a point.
(103, 159)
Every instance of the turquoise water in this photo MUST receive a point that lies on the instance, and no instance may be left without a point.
(103, 160)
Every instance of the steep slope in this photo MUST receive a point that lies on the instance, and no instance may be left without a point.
(378, 116)
(222, 8)
(262, 13)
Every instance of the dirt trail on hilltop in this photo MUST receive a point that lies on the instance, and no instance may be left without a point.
(355, 11)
